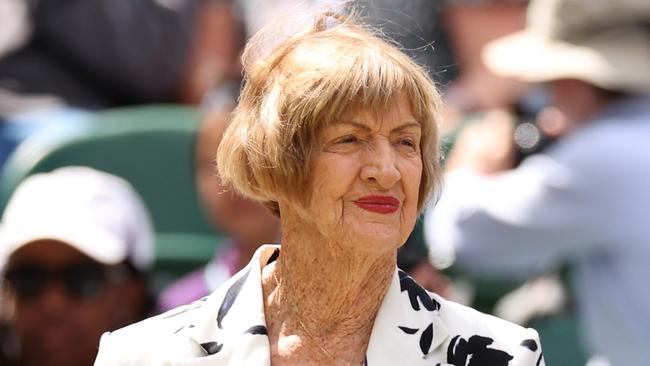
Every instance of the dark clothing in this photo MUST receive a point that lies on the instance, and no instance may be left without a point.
(99, 53)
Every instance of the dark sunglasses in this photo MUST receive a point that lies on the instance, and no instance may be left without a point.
(81, 281)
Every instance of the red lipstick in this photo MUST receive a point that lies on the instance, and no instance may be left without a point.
(378, 204)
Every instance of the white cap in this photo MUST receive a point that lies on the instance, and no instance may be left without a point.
(97, 213)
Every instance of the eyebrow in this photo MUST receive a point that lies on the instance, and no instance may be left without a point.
(365, 127)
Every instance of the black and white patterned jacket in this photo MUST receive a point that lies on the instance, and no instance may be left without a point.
(413, 327)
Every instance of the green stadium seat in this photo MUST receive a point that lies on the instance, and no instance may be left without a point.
(150, 146)
(560, 339)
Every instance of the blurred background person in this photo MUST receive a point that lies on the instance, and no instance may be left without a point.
(75, 254)
(583, 201)
(245, 223)
(8, 342)
(107, 54)
(288, 16)
(470, 25)
(446, 36)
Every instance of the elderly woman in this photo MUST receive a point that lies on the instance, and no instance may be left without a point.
(335, 132)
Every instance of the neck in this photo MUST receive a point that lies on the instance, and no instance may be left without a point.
(313, 290)
(325, 285)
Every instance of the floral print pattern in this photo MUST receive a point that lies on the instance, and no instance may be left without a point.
(412, 327)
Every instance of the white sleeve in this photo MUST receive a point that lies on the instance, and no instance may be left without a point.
(517, 222)
(108, 355)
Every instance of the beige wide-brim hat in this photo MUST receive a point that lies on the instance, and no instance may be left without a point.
(605, 43)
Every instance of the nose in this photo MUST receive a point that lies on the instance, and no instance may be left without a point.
(53, 301)
(380, 165)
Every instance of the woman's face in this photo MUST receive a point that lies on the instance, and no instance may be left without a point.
(366, 178)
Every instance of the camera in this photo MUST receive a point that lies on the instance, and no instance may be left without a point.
(528, 137)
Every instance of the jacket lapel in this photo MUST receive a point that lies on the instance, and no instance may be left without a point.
(408, 327)
(232, 324)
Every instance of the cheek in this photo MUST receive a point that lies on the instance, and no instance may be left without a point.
(329, 181)
(26, 317)
(412, 177)
(224, 202)
(332, 179)
(84, 319)
(206, 185)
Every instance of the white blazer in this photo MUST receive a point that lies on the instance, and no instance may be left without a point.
(413, 327)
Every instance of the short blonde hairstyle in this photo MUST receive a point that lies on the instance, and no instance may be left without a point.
(307, 82)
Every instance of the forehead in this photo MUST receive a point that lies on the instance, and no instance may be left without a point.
(396, 112)
(46, 252)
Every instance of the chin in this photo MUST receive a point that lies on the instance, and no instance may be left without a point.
(378, 239)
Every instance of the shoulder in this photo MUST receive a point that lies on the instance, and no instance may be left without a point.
(464, 319)
(161, 336)
(220, 325)
(177, 333)
(484, 337)
(441, 330)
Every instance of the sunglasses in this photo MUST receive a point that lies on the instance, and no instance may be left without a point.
(81, 281)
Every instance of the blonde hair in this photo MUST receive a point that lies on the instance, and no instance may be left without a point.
(307, 82)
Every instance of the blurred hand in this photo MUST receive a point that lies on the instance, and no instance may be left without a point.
(485, 146)
(553, 123)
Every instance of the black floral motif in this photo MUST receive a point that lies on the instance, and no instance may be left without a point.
(257, 329)
(531, 344)
(416, 292)
(459, 350)
(230, 297)
(417, 295)
(408, 330)
(426, 339)
(211, 347)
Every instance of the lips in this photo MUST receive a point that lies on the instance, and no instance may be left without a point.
(378, 204)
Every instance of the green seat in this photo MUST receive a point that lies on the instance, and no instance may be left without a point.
(150, 146)
(560, 339)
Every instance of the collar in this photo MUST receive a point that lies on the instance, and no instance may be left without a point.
(232, 318)
(408, 324)
(230, 322)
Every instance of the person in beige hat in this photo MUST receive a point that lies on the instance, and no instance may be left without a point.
(75, 250)
(584, 200)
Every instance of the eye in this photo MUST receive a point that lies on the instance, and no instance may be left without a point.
(408, 143)
(349, 139)
(344, 143)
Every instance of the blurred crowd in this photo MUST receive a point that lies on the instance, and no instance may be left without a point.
(546, 135)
